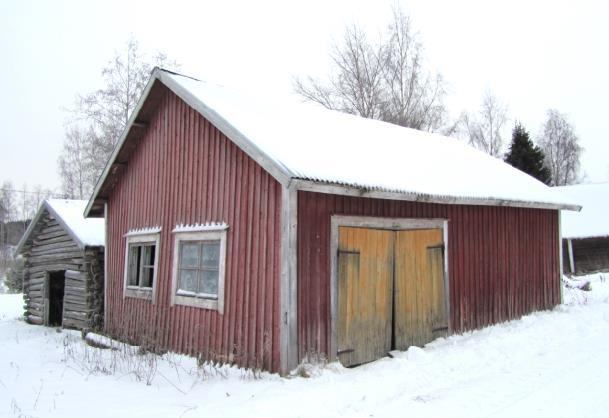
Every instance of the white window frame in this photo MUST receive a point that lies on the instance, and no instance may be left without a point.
(215, 233)
(148, 293)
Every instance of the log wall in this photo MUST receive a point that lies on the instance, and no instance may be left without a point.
(50, 248)
(589, 255)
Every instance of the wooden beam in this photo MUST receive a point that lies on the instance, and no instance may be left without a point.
(571, 258)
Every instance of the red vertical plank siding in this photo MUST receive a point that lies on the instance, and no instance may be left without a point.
(185, 171)
(501, 259)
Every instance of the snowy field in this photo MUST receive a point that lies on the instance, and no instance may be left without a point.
(546, 364)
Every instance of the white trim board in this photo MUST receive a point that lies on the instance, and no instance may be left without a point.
(288, 323)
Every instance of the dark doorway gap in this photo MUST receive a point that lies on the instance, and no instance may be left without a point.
(57, 285)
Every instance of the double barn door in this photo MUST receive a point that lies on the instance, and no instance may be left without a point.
(391, 291)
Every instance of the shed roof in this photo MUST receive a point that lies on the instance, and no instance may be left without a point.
(294, 140)
(592, 221)
(69, 213)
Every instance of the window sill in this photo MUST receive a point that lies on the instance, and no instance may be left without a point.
(196, 302)
(139, 293)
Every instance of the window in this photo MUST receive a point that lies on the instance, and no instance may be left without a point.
(198, 267)
(141, 260)
(141, 265)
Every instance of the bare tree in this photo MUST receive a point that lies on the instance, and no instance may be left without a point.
(35, 198)
(412, 96)
(75, 163)
(484, 130)
(8, 202)
(384, 80)
(20, 204)
(561, 148)
(109, 108)
(356, 87)
(100, 117)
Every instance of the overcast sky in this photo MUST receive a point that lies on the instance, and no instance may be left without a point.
(534, 55)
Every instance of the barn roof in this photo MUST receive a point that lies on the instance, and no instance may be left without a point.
(69, 213)
(592, 221)
(294, 140)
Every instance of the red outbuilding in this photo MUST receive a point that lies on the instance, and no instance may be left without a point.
(259, 232)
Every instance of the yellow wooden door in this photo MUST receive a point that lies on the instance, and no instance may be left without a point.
(365, 289)
(419, 311)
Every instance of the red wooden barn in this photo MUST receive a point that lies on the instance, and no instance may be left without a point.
(247, 230)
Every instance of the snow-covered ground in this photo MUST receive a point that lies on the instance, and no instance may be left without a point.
(546, 364)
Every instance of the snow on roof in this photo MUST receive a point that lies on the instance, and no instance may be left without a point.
(89, 232)
(592, 221)
(312, 143)
(69, 214)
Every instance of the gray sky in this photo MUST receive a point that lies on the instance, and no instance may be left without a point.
(533, 55)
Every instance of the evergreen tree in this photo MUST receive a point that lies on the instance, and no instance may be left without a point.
(526, 156)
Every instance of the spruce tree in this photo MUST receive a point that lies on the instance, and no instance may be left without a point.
(526, 156)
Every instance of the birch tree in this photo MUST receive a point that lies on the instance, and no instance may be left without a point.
(383, 80)
(8, 203)
(99, 117)
(561, 147)
(484, 129)
(75, 163)
(357, 85)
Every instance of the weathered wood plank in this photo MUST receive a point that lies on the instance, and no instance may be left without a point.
(77, 286)
(64, 238)
(83, 316)
(365, 294)
(76, 307)
(54, 248)
(54, 267)
(81, 294)
(414, 289)
(439, 313)
(36, 281)
(35, 305)
(74, 323)
(73, 261)
(79, 290)
(76, 275)
(36, 297)
(32, 319)
(51, 228)
(37, 286)
(34, 311)
(43, 257)
(45, 236)
(38, 275)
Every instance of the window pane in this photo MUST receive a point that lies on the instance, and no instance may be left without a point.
(189, 254)
(133, 265)
(147, 275)
(149, 252)
(188, 280)
(211, 254)
(208, 282)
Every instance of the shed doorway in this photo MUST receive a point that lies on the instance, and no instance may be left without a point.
(391, 291)
(56, 291)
